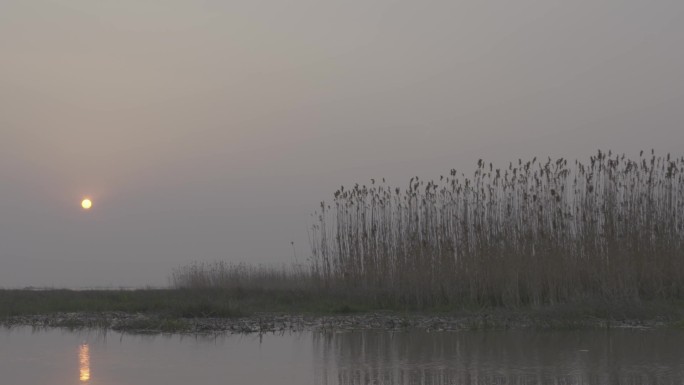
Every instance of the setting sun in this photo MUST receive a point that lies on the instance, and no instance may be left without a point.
(86, 203)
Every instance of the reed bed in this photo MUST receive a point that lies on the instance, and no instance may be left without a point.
(226, 275)
(534, 232)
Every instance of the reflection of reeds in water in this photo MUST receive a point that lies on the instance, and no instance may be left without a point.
(582, 357)
(84, 363)
(529, 233)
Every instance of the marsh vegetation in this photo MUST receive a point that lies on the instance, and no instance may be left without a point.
(531, 233)
(535, 242)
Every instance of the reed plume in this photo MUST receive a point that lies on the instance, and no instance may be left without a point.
(534, 232)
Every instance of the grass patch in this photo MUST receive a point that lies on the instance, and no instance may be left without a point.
(178, 303)
(165, 308)
(169, 303)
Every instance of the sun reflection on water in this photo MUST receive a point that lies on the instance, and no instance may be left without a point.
(84, 361)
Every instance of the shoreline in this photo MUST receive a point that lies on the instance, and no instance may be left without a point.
(265, 311)
(263, 323)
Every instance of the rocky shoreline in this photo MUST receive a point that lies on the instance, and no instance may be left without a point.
(271, 323)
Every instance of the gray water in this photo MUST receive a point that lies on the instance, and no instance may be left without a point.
(59, 357)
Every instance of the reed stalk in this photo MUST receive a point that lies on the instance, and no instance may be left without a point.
(535, 232)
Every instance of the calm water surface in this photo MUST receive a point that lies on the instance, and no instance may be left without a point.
(59, 357)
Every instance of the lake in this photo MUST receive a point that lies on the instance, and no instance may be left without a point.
(59, 357)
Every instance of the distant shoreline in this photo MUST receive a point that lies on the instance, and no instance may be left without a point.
(229, 311)
(266, 323)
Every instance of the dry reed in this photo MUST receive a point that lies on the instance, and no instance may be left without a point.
(225, 275)
(530, 233)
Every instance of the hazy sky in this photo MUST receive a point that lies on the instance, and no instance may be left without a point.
(211, 129)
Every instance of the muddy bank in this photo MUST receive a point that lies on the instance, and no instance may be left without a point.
(271, 323)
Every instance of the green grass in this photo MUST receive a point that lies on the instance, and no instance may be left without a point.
(227, 303)
(176, 303)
